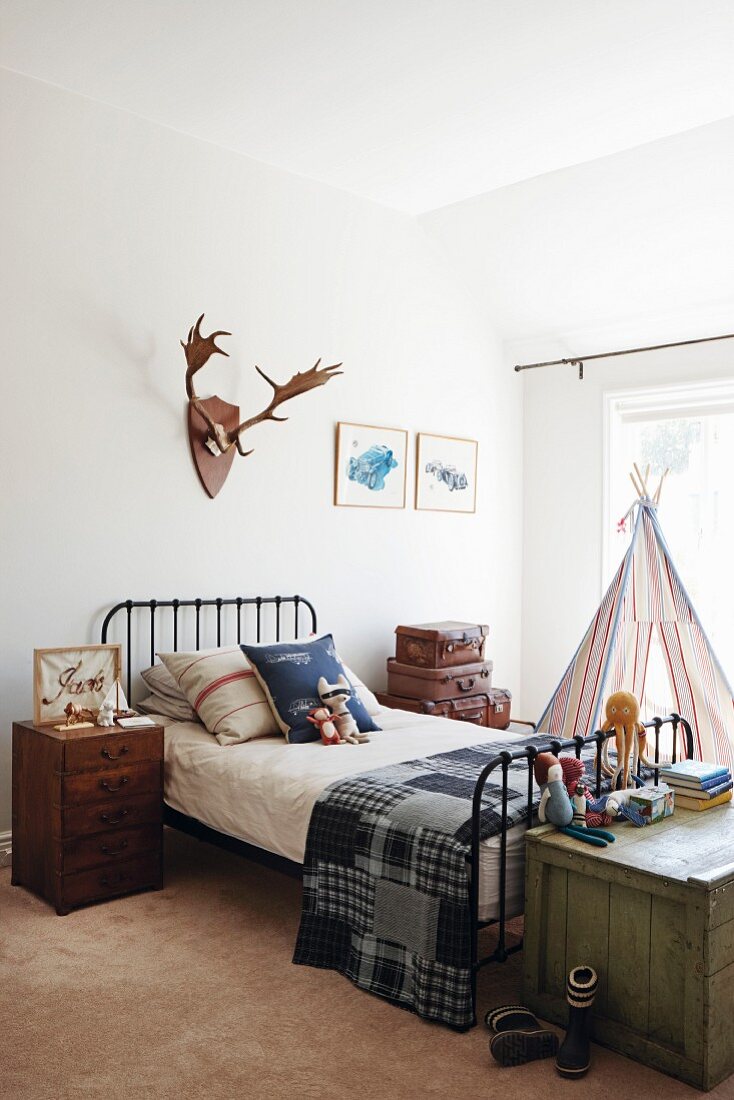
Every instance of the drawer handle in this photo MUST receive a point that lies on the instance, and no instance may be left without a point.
(113, 820)
(103, 783)
(108, 851)
(106, 753)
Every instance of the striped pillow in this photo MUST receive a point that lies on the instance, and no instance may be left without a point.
(224, 692)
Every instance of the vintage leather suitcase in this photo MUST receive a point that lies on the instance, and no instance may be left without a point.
(491, 709)
(440, 645)
(499, 704)
(438, 683)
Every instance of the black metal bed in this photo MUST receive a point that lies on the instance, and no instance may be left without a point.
(245, 607)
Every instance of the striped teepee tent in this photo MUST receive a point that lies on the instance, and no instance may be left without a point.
(646, 608)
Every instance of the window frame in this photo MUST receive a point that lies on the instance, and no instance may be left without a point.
(664, 401)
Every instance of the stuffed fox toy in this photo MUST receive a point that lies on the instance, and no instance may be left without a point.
(334, 696)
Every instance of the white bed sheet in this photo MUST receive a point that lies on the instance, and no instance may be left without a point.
(263, 791)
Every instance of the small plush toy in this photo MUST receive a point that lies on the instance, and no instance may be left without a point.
(324, 720)
(589, 811)
(623, 716)
(335, 696)
(106, 714)
(561, 807)
(555, 805)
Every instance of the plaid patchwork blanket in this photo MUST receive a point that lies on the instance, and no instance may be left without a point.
(385, 879)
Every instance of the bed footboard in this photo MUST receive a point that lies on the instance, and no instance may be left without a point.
(526, 756)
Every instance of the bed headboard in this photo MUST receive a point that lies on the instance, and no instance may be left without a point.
(202, 623)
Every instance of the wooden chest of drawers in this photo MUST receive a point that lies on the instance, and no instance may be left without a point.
(87, 812)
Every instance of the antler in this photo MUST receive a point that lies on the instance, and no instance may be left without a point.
(198, 350)
(301, 382)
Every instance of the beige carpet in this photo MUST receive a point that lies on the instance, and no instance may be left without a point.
(190, 992)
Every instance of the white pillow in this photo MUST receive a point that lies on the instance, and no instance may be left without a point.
(368, 700)
(160, 682)
(223, 690)
(169, 708)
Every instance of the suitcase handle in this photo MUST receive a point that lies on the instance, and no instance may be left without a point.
(484, 673)
(466, 685)
(465, 643)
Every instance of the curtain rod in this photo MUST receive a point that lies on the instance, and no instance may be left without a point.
(579, 360)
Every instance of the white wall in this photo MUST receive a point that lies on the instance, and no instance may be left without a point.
(563, 463)
(116, 234)
(626, 250)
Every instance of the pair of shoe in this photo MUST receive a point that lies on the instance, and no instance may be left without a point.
(519, 1037)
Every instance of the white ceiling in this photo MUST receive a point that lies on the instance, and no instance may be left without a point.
(412, 103)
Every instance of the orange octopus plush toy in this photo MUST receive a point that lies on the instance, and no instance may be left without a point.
(623, 716)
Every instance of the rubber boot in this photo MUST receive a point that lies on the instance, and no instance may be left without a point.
(574, 1057)
(519, 1036)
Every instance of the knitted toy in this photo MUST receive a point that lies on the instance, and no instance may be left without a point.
(623, 716)
(323, 719)
(334, 696)
(589, 811)
(557, 805)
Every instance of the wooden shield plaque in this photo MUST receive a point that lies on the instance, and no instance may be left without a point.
(212, 469)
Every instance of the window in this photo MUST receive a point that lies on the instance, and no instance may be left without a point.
(689, 431)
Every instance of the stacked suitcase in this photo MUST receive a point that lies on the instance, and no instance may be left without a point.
(439, 669)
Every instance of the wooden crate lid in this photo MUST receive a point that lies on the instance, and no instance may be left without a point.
(450, 630)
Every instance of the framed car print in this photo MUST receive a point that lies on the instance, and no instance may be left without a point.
(446, 473)
(370, 466)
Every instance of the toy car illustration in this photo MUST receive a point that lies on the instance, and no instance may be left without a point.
(372, 467)
(449, 475)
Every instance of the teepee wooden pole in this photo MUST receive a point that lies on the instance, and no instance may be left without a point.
(638, 488)
(641, 479)
(659, 489)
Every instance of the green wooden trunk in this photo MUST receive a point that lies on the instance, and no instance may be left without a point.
(653, 913)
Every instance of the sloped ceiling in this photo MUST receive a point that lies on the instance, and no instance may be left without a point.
(413, 103)
(632, 248)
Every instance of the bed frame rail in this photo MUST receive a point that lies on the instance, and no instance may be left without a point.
(176, 607)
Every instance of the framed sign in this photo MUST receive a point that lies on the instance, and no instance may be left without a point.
(82, 675)
(370, 466)
(446, 473)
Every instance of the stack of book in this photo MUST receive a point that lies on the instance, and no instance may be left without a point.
(698, 785)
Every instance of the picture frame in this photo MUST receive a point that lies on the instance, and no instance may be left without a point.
(370, 466)
(446, 473)
(80, 674)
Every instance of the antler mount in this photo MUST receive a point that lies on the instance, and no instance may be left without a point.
(220, 440)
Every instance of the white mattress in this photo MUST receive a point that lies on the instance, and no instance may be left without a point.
(264, 790)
